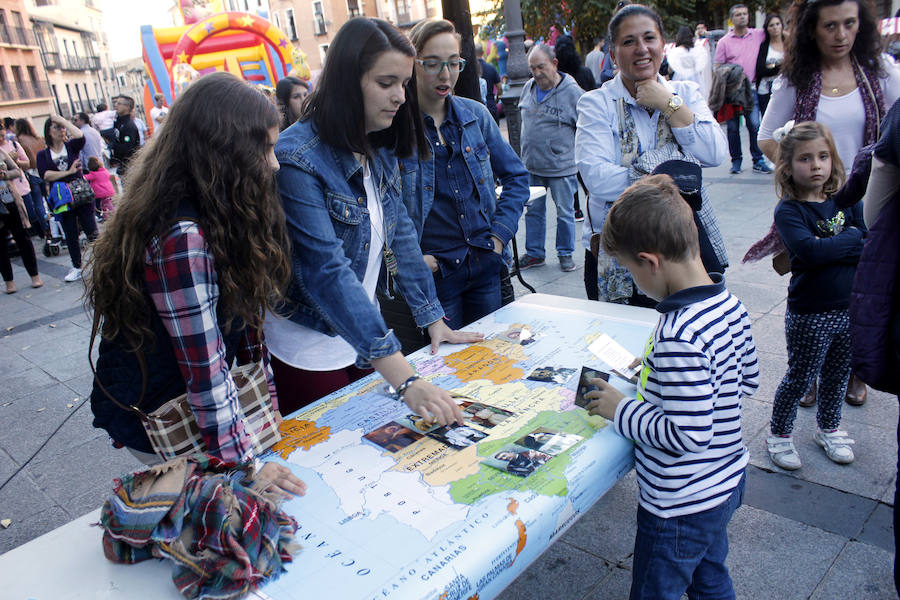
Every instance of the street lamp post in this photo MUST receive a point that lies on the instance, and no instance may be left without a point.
(516, 70)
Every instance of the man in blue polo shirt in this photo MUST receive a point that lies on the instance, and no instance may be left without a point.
(741, 46)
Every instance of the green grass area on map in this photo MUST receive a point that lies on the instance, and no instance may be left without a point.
(548, 480)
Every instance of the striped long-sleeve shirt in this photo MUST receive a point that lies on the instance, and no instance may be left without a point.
(686, 418)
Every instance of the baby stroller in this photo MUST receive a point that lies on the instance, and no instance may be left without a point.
(54, 244)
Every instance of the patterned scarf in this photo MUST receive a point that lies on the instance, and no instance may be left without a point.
(807, 103)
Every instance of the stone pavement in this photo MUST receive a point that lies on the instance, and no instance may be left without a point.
(821, 532)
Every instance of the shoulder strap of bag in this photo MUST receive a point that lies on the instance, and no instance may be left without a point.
(872, 97)
(140, 355)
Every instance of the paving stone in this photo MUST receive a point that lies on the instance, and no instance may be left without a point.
(880, 410)
(562, 572)
(31, 428)
(28, 528)
(755, 416)
(22, 383)
(615, 585)
(100, 465)
(756, 298)
(768, 333)
(772, 367)
(879, 528)
(607, 529)
(869, 475)
(861, 572)
(762, 545)
(22, 497)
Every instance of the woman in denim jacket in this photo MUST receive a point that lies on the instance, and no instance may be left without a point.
(340, 186)
(449, 193)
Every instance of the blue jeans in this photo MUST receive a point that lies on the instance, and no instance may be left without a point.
(684, 554)
(734, 134)
(34, 204)
(563, 191)
(471, 291)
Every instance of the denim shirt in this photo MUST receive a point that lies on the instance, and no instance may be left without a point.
(486, 154)
(324, 201)
(455, 222)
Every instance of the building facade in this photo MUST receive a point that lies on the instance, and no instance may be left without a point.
(75, 53)
(312, 24)
(24, 90)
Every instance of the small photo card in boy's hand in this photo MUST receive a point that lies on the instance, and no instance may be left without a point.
(624, 364)
(585, 385)
(483, 415)
(517, 460)
(457, 436)
(549, 441)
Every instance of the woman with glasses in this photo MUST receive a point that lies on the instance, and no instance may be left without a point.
(340, 186)
(449, 188)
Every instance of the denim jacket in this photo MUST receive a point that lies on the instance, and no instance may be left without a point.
(486, 154)
(321, 188)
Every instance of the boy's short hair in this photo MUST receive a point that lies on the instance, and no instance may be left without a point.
(651, 216)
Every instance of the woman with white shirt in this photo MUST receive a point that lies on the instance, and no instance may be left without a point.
(690, 61)
(655, 110)
(769, 59)
(833, 73)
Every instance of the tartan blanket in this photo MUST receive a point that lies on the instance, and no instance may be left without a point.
(224, 537)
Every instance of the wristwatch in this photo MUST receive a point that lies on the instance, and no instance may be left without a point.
(675, 102)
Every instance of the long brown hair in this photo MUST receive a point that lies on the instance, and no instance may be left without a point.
(805, 132)
(211, 153)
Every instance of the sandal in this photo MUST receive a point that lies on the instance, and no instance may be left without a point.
(11, 287)
(836, 444)
(782, 452)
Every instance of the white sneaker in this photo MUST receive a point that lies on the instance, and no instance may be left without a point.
(782, 452)
(74, 275)
(836, 444)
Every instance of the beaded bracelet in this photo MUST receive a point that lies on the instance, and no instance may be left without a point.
(401, 389)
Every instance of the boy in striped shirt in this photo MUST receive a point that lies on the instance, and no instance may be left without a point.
(686, 417)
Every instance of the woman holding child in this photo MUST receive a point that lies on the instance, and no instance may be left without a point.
(628, 127)
(349, 230)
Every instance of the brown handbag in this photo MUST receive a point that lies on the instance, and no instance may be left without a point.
(781, 262)
(172, 428)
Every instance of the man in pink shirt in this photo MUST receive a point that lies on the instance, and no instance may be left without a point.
(741, 46)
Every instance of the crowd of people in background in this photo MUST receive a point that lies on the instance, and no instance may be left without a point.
(290, 222)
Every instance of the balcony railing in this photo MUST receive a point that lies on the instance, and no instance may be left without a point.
(18, 36)
(79, 63)
(23, 90)
(51, 60)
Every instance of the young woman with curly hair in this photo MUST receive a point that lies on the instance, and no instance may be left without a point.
(186, 268)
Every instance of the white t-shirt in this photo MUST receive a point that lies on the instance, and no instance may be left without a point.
(843, 115)
(765, 84)
(155, 114)
(311, 350)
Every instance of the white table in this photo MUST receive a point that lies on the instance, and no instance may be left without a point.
(68, 562)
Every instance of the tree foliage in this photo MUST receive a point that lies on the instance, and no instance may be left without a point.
(586, 19)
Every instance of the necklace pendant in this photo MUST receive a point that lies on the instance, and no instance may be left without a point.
(391, 262)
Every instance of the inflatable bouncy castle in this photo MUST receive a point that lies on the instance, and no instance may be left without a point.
(244, 44)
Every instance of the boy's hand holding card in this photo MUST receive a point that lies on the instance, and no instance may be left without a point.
(604, 400)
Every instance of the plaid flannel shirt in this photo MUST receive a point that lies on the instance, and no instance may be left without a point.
(181, 280)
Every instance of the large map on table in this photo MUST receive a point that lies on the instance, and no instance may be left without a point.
(429, 520)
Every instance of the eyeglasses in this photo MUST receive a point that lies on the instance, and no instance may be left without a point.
(433, 67)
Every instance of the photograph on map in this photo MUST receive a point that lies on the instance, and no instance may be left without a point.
(551, 375)
(483, 415)
(457, 436)
(517, 335)
(585, 385)
(393, 436)
(417, 423)
(549, 441)
(517, 460)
